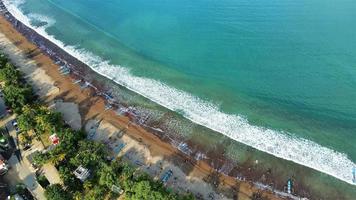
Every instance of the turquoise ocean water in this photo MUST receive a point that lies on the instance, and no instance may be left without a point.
(277, 75)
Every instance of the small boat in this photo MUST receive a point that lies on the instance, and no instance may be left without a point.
(65, 72)
(77, 81)
(108, 96)
(289, 186)
(62, 67)
(108, 106)
(85, 85)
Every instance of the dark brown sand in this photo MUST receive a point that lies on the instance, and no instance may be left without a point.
(92, 106)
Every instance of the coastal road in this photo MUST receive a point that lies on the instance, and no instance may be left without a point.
(20, 173)
(20, 169)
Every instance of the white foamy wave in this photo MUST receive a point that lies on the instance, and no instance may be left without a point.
(282, 145)
(42, 18)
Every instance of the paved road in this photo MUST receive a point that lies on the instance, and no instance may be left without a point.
(20, 168)
(2, 106)
(20, 172)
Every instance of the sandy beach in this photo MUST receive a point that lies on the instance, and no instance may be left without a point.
(82, 109)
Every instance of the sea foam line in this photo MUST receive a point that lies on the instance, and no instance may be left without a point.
(279, 144)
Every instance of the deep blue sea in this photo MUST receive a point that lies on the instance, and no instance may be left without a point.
(276, 75)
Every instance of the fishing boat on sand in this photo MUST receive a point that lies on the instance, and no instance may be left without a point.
(289, 186)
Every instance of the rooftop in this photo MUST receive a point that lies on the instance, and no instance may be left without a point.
(82, 173)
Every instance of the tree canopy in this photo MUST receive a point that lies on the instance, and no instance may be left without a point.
(75, 150)
(17, 96)
(17, 92)
(10, 75)
(90, 154)
(56, 192)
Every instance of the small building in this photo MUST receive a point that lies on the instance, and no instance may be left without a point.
(54, 139)
(116, 189)
(82, 173)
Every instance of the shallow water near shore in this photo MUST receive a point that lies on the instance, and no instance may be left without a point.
(285, 97)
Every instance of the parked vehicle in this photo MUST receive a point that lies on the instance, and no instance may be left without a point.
(14, 123)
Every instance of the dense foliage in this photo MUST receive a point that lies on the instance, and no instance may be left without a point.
(42, 180)
(75, 150)
(56, 192)
(17, 92)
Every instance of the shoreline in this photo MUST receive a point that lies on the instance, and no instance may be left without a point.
(99, 107)
(97, 96)
(220, 125)
(78, 69)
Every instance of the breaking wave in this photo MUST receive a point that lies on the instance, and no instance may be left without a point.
(277, 143)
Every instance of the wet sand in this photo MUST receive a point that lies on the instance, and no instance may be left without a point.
(93, 107)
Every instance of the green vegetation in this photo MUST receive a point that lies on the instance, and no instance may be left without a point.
(20, 188)
(42, 180)
(4, 141)
(39, 121)
(17, 92)
(56, 192)
(75, 150)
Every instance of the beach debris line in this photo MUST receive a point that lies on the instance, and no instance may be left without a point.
(182, 147)
(227, 167)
